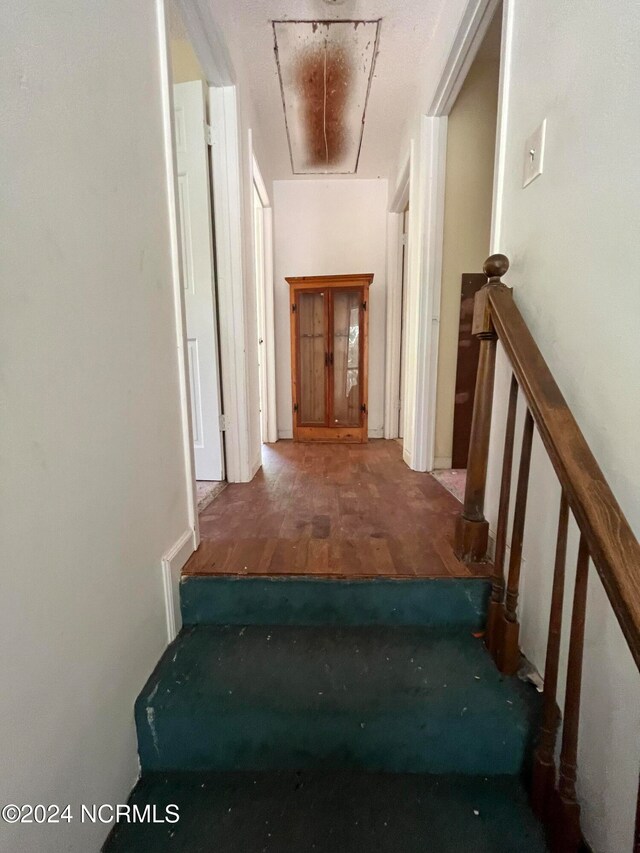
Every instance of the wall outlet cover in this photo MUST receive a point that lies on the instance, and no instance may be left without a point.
(534, 154)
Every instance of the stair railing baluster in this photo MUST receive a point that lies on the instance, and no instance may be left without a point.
(494, 614)
(544, 769)
(566, 834)
(508, 652)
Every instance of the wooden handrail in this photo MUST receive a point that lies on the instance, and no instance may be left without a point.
(614, 549)
(605, 538)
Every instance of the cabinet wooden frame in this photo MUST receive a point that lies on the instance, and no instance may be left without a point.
(330, 284)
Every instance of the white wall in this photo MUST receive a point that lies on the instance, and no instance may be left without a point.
(328, 227)
(93, 481)
(572, 237)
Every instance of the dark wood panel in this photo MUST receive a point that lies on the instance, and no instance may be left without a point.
(312, 374)
(466, 370)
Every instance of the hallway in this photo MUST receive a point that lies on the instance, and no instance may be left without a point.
(335, 510)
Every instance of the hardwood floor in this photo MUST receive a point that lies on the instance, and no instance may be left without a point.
(335, 510)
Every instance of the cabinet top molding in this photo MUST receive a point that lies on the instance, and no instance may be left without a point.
(330, 280)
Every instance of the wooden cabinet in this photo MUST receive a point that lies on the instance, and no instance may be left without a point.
(329, 356)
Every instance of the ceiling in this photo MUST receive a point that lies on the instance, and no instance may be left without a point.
(407, 31)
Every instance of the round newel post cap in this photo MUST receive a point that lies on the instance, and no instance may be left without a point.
(496, 266)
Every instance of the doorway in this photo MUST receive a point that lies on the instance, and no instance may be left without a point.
(404, 302)
(258, 268)
(468, 191)
(263, 280)
(197, 260)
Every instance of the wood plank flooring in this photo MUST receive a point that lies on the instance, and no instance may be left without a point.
(334, 510)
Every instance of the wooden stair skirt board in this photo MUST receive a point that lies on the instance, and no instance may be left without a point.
(329, 357)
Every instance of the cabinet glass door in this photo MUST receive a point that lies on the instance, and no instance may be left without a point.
(311, 358)
(346, 391)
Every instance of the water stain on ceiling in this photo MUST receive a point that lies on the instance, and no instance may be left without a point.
(325, 70)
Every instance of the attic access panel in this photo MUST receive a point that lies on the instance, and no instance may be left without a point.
(325, 70)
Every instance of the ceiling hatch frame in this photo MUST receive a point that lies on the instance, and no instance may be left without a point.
(317, 24)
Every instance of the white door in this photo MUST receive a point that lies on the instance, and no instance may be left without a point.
(258, 221)
(403, 326)
(196, 235)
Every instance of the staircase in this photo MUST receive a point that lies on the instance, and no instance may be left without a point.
(306, 714)
(300, 714)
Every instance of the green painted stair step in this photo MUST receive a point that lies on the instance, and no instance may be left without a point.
(437, 602)
(323, 812)
(395, 699)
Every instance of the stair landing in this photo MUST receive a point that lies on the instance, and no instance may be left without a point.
(341, 511)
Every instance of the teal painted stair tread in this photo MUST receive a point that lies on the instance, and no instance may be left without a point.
(436, 602)
(343, 812)
(396, 699)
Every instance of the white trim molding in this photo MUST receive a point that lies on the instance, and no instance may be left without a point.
(227, 195)
(172, 564)
(394, 324)
(471, 30)
(207, 41)
(171, 171)
(401, 195)
(256, 175)
(395, 228)
(506, 45)
(426, 224)
(270, 323)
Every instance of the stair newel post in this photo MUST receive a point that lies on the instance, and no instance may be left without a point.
(508, 655)
(566, 835)
(494, 614)
(472, 530)
(543, 763)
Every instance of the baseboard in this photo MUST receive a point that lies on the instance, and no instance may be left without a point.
(442, 462)
(172, 565)
(376, 432)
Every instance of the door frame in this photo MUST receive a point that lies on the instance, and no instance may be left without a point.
(226, 173)
(427, 165)
(227, 196)
(395, 231)
(229, 173)
(270, 431)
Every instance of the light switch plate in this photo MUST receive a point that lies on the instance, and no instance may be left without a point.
(534, 154)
